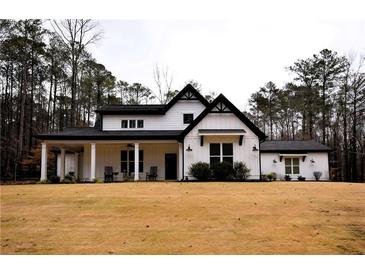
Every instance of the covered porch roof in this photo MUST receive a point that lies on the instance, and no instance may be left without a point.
(92, 133)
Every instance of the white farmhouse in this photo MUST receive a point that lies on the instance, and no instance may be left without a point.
(162, 141)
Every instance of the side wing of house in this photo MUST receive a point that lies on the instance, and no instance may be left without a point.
(222, 133)
(295, 158)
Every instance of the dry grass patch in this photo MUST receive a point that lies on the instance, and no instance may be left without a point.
(189, 218)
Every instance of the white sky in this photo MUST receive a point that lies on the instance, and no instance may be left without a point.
(230, 47)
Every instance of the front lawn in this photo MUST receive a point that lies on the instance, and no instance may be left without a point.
(188, 218)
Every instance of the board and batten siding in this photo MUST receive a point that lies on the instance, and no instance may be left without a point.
(242, 153)
(172, 120)
(306, 168)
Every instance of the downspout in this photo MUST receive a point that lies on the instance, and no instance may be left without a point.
(261, 141)
(183, 160)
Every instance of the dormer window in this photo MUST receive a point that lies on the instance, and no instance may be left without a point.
(132, 123)
(124, 123)
(140, 123)
(188, 118)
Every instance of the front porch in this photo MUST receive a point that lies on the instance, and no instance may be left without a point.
(87, 161)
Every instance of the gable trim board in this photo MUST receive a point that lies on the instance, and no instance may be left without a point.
(222, 99)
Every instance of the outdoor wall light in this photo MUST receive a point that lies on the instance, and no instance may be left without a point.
(274, 161)
(312, 161)
(254, 148)
(189, 149)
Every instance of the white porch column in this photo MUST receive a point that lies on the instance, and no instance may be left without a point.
(93, 161)
(62, 166)
(136, 161)
(180, 171)
(76, 165)
(44, 162)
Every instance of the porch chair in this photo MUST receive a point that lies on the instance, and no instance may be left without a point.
(108, 174)
(152, 174)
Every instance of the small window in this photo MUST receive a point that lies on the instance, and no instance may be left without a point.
(140, 123)
(292, 166)
(132, 123)
(124, 123)
(188, 118)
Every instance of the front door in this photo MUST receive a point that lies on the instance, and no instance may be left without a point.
(170, 166)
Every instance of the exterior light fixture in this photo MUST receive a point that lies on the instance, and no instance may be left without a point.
(312, 161)
(274, 161)
(189, 149)
(254, 148)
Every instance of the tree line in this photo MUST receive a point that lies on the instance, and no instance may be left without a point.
(324, 101)
(49, 81)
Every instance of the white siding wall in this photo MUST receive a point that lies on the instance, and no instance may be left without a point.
(242, 153)
(109, 155)
(172, 120)
(306, 168)
(69, 163)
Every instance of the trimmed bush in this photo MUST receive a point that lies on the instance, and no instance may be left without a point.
(54, 179)
(200, 170)
(317, 175)
(222, 171)
(287, 178)
(241, 171)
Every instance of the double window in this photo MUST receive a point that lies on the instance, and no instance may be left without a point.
(127, 161)
(291, 165)
(188, 118)
(221, 152)
(132, 124)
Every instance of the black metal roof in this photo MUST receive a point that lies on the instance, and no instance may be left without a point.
(293, 146)
(152, 109)
(92, 133)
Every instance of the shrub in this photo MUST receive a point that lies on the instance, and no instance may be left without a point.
(287, 178)
(241, 171)
(271, 176)
(301, 178)
(200, 170)
(54, 179)
(317, 175)
(98, 181)
(222, 171)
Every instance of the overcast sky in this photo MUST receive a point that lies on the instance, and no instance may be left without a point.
(233, 56)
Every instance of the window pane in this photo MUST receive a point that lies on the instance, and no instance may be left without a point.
(295, 169)
(227, 149)
(141, 155)
(214, 160)
(131, 167)
(287, 161)
(287, 170)
(123, 167)
(132, 123)
(123, 155)
(124, 123)
(140, 123)
(131, 155)
(188, 118)
(215, 149)
(140, 166)
(296, 161)
(228, 160)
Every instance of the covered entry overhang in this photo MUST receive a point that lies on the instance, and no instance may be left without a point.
(221, 132)
(93, 152)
